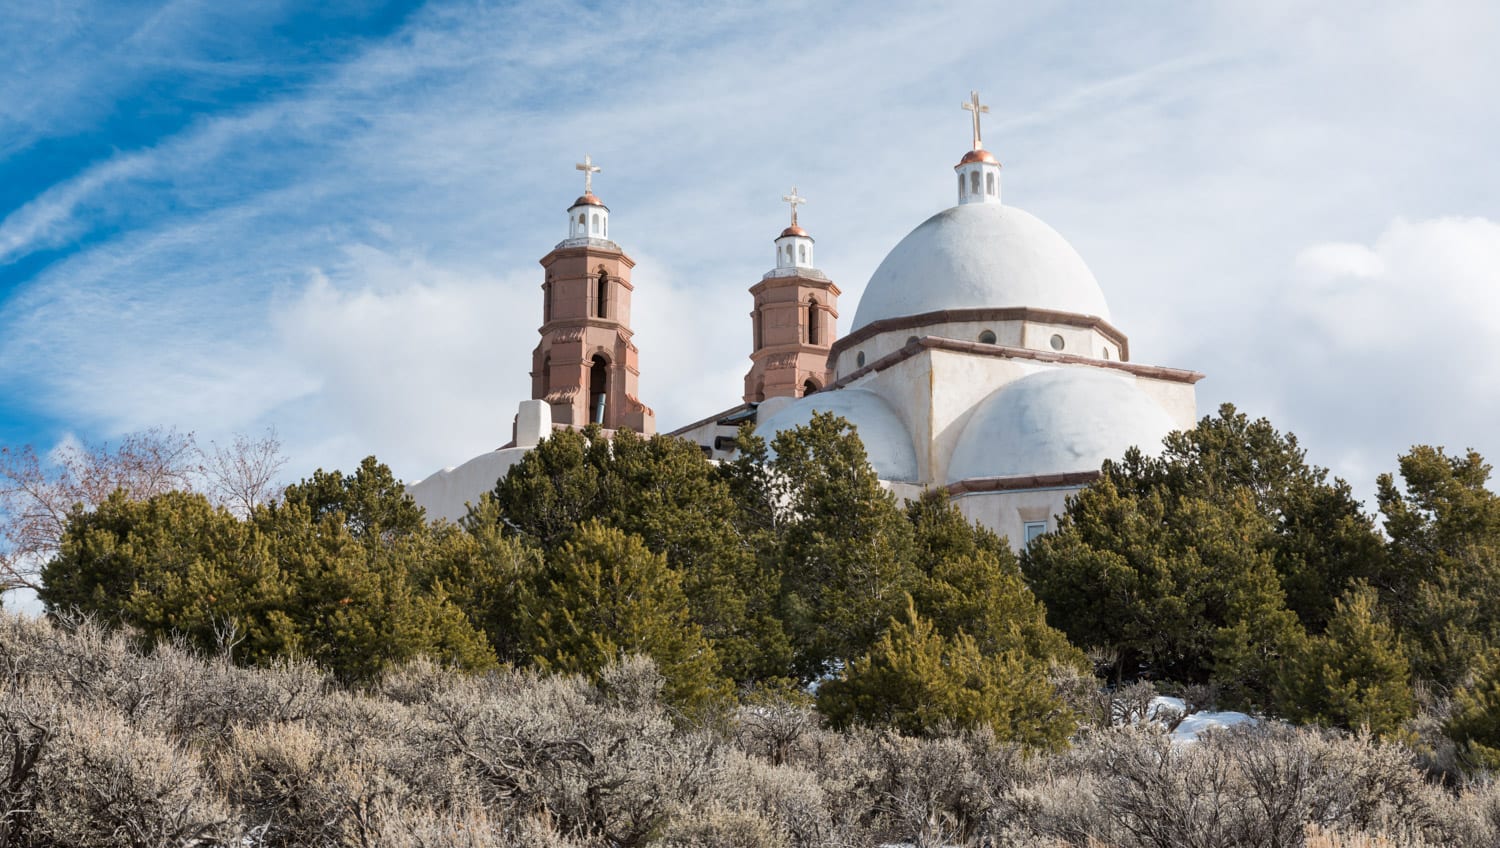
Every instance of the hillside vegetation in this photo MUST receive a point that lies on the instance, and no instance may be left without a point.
(781, 619)
(109, 746)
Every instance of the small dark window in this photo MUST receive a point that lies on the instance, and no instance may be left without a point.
(808, 388)
(760, 339)
(602, 296)
(859, 359)
(812, 321)
(1057, 342)
(547, 302)
(546, 375)
(987, 337)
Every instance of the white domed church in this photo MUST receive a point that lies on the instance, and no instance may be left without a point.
(981, 359)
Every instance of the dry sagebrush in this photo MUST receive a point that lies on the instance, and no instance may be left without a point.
(101, 745)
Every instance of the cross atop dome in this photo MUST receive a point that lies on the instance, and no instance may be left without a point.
(794, 247)
(794, 201)
(588, 217)
(974, 106)
(979, 170)
(589, 169)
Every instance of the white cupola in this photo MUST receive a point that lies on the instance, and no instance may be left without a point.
(978, 178)
(588, 217)
(794, 247)
(979, 171)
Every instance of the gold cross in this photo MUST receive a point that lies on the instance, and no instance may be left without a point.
(589, 169)
(974, 106)
(795, 201)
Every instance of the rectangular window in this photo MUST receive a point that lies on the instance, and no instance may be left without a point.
(1033, 529)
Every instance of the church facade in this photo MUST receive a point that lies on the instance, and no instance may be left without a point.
(981, 359)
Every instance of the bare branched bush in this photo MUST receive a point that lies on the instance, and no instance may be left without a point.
(243, 474)
(772, 725)
(789, 798)
(39, 491)
(105, 783)
(1130, 704)
(108, 744)
(29, 720)
(606, 762)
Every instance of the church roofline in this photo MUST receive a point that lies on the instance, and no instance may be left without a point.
(715, 418)
(1024, 482)
(986, 313)
(787, 281)
(913, 348)
(594, 246)
(800, 272)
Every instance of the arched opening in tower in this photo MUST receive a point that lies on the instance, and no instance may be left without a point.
(808, 388)
(598, 388)
(602, 295)
(812, 321)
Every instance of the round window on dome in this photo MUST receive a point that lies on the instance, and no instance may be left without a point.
(987, 337)
(1057, 342)
(859, 359)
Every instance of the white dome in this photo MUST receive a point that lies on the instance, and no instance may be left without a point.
(886, 441)
(1057, 421)
(980, 255)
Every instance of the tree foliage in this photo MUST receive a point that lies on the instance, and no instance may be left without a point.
(336, 587)
(919, 681)
(1208, 562)
(1356, 674)
(843, 545)
(662, 491)
(1444, 588)
(605, 595)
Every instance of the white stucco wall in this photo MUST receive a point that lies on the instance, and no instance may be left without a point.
(1008, 512)
(936, 391)
(1034, 335)
(448, 493)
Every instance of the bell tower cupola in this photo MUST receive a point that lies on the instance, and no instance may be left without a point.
(588, 217)
(794, 321)
(979, 171)
(586, 365)
(794, 247)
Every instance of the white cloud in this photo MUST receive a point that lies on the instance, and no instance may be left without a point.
(353, 260)
(1393, 343)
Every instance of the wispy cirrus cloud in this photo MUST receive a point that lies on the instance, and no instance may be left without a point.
(350, 258)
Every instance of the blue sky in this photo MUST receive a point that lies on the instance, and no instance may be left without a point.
(325, 217)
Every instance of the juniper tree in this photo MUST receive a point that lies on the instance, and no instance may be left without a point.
(604, 595)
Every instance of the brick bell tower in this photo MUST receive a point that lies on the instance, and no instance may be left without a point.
(794, 321)
(585, 366)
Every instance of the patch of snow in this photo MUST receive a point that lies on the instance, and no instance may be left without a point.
(1165, 710)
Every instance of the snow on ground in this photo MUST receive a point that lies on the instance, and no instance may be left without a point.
(1165, 709)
